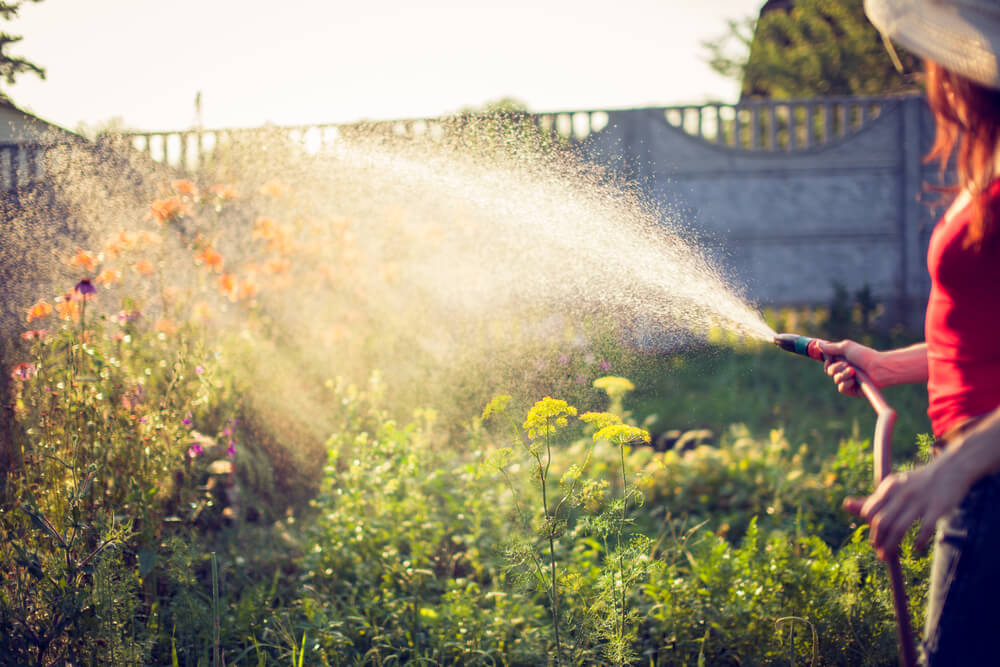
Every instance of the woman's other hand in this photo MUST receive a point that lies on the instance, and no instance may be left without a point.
(925, 495)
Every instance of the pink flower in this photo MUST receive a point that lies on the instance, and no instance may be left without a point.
(24, 371)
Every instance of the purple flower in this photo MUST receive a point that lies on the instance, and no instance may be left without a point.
(142, 420)
(85, 288)
(128, 316)
(194, 450)
(231, 451)
(199, 370)
(605, 365)
(187, 419)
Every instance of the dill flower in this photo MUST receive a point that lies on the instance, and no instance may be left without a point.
(600, 420)
(622, 434)
(496, 406)
(40, 309)
(547, 416)
(615, 387)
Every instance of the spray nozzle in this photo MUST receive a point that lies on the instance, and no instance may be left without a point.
(807, 347)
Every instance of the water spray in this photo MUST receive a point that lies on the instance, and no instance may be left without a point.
(882, 444)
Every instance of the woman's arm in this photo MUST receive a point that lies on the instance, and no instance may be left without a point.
(901, 366)
(929, 493)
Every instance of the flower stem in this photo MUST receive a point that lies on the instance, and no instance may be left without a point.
(621, 529)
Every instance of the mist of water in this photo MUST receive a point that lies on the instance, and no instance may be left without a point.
(479, 247)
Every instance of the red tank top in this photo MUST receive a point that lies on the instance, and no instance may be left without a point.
(963, 323)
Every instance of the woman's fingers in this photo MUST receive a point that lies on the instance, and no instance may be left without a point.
(844, 376)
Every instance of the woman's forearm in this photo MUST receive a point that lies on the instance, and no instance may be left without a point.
(903, 366)
(976, 453)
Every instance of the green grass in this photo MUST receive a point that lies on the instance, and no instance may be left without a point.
(765, 388)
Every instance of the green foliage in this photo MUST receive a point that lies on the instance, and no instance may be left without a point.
(13, 66)
(818, 48)
(153, 512)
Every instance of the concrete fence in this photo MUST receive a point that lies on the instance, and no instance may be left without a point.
(791, 196)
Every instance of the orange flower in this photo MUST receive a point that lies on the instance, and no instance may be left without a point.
(275, 189)
(41, 309)
(278, 266)
(167, 210)
(227, 285)
(166, 326)
(85, 260)
(264, 228)
(246, 289)
(144, 267)
(224, 191)
(184, 187)
(108, 277)
(68, 308)
(119, 243)
(211, 258)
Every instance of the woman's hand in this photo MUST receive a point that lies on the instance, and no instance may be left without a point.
(925, 495)
(843, 358)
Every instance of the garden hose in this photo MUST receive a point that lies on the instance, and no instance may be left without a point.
(882, 445)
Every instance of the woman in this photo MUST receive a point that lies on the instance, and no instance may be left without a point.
(959, 490)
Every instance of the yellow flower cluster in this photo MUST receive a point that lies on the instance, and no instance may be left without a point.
(614, 386)
(496, 406)
(547, 416)
(610, 427)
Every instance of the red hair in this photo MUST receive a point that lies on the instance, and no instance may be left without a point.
(966, 115)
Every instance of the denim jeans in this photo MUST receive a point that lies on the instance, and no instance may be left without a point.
(963, 608)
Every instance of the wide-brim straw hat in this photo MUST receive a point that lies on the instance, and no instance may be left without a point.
(960, 35)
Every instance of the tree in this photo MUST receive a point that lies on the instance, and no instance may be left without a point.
(13, 66)
(810, 48)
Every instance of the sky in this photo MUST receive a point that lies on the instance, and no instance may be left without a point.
(292, 62)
